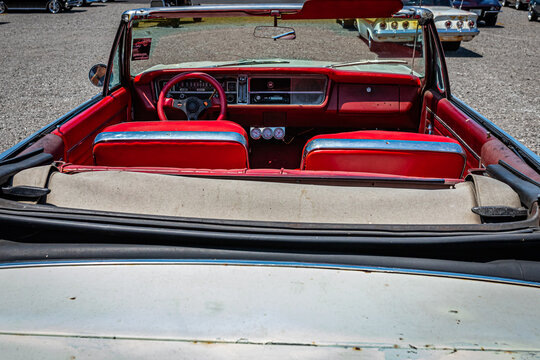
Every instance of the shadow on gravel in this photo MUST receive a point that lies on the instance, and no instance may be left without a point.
(483, 25)
(4, 22)
(462, 53)
(74, 11)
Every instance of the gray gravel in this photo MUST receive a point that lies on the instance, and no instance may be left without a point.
(45, 61)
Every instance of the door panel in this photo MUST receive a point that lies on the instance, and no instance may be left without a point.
(78, 134)
(443, 118)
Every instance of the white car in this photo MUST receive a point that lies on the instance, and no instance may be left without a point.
(453, 25)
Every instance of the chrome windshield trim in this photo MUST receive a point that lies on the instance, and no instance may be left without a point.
(247, 9)
(381, 144)
(170, 136)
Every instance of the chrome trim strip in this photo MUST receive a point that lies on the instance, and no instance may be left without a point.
(272, 263)
(170, 136)
(456, 136)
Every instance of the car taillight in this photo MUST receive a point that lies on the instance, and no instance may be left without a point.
(459, 24)
(405, 24)
(382, 25)
(471, 23)
(394, 25)
(448, 23)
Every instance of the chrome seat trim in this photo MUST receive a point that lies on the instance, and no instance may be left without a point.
(380, 144)
(171, 136)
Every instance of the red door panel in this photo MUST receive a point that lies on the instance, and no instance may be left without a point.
(78, 133)
(443, 118)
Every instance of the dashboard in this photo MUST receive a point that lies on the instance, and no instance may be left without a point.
(260, 89)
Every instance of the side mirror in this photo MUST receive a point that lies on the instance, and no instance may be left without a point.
(274, 32)
(97, 74)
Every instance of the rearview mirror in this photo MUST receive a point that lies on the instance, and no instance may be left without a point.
(274, 32)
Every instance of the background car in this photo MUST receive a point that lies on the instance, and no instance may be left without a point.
(52, 6)
(487, 10)
(518, 4)
(453, 25)
(382, 30)
(534, 10)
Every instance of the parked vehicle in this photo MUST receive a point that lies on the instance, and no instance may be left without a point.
(263, 185)
(518, 4)
(453, 25)
(400, 29)
(52, 6)
(487, 10)
(534, 10)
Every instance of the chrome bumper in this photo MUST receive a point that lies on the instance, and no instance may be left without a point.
(395, 35)
(457, 35)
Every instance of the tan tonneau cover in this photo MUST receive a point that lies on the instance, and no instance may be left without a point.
(156, 194)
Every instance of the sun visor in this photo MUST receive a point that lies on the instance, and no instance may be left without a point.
(346, 9)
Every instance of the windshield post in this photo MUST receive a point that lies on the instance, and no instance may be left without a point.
(414, 48)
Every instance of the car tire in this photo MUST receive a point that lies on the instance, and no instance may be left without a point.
(451, 45)
(53, 6)
(347, 23)
(491, 20)
(532, 16)
(3, 7)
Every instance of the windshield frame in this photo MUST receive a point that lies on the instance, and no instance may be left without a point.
(130, 16)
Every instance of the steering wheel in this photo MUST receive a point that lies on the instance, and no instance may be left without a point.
(192, 106)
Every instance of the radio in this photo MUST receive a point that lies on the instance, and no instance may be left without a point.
(274, 98)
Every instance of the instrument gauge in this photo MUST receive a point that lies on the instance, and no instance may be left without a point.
(267, 133)
(255, 133)
(279, 133)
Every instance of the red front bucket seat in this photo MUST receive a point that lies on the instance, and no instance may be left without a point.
(386, 152)
(185, 144)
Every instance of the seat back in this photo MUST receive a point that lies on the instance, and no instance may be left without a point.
(386, 152)
(182, 144)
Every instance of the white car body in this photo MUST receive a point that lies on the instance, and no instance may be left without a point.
(260, 310)
(372, 30)
(442, 14)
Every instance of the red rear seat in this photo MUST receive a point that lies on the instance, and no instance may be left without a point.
(386, 152)
(182, 144)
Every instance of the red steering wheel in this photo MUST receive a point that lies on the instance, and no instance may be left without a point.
(192, 106)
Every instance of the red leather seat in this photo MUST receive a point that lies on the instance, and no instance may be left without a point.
(184, 144)
(386, 152)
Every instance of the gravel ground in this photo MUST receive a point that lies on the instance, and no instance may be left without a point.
(45, 61)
